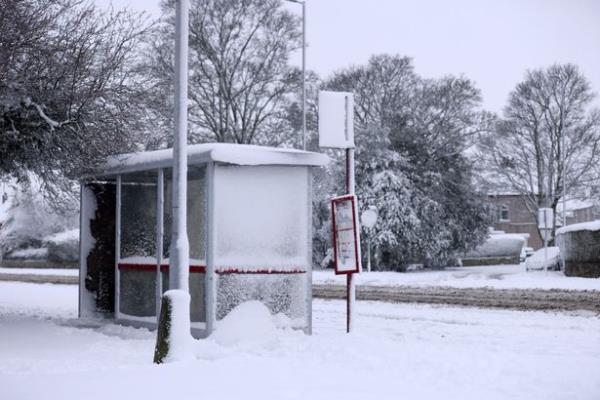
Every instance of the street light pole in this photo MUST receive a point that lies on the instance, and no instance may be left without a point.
(303, 75)
(303, 3)
(179, 250)
(173, 338)
(564, 178)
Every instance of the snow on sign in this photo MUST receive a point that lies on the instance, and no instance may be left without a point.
(345, 241)
(545, 218)
(545, 222)
(336, 120)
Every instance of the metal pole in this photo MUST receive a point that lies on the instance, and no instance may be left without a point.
(303, 75)
(546, 233)
(179, 251)
(546, 252)
(303, 3)
(564, 162)
(309, 231)
(82, 256)
(369, 254)
(210, 277)
(160, 209)
(350, 285)
(118, 249)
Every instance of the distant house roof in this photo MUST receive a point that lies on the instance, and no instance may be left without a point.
(572, 204)
(503, 194)
(575, 204)
(238, 154)
(584, 226)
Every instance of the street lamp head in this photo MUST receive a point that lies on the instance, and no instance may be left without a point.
(369, 217)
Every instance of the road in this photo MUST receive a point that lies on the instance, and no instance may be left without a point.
(518, 299)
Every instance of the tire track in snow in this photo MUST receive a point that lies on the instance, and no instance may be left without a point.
(518, 299)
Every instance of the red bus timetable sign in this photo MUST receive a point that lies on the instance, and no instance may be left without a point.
(345, 238)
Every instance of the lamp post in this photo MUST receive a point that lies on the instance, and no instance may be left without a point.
(564, 179)
(368, 218)
(173, 339)
(179, 251)
(303, 3)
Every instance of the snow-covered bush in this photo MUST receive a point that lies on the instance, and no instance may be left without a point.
(29, 253)
(410, 161)
(63, 246)
(425, 215)
(30, 219)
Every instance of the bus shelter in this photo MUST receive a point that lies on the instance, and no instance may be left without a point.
(249, 228)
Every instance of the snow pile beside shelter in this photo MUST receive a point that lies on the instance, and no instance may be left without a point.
(499, 248)
(580, 249)
(63, 247)
(249, 322)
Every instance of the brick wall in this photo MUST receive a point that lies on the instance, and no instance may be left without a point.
(512, 216)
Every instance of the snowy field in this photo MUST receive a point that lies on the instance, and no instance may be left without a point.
(41, 271)
(495, 276)
(399, 351)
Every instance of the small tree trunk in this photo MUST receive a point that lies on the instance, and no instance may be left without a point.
(173, 339)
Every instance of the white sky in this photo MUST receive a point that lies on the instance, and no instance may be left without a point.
(491, 42)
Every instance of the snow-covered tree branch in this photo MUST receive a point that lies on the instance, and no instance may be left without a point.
(68, 87)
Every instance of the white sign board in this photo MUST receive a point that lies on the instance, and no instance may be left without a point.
(345, 240)
(545, 218)
(336, 119)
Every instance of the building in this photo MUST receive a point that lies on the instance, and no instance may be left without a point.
(513, 215)
(580, 211)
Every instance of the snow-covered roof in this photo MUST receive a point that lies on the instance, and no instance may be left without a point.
(239, 154)
(584, 226)
(574, 204)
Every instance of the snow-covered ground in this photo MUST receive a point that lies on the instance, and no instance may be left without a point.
(397, 351)
(496, 277)
(41, 271)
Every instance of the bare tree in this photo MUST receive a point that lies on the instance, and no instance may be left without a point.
(68, 96)
(382, 88)
(239, 73)
(548, 131)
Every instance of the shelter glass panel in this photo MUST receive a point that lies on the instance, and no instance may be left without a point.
(138, 217)
(280, 293)
(137, 293)
(196, 282)
(196, 213)
(261, 217)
